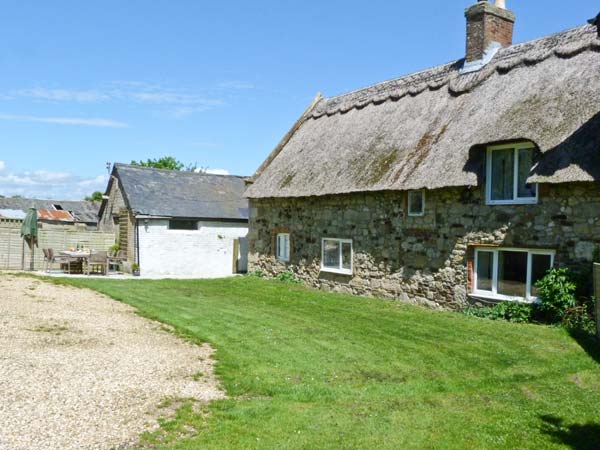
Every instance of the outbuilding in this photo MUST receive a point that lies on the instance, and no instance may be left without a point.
(176, 224)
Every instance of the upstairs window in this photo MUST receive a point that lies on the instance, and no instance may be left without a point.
(179, 224)
(336, 256)
(283, 247)
(508, 167)
(416, 203)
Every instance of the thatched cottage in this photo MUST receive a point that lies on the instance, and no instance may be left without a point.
(466, 181)
(177, 224)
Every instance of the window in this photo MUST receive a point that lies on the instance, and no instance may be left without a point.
(508, 167)
(510, 274)
(179, 224)
(416, 203)
(337, 256)
(57, 207)
(283, 247)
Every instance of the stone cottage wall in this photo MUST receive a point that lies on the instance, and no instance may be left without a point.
(114, 205)
(425, 259)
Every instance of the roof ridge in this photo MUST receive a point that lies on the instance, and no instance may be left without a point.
(528, 53)
(391, 80)
(177, 172)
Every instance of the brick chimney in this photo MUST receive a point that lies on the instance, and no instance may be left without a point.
(488, 26)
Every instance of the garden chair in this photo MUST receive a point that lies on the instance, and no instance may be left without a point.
(98, 261)
(50, 258)
(116, 258)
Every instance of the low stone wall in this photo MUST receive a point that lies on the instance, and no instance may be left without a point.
(424, 259)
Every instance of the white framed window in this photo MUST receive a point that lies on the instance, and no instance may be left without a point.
(416, 203)
(336, 255)
(507, 169)
(282, 252)
(510, 273)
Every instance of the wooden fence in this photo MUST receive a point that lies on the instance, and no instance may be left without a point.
(11, 244)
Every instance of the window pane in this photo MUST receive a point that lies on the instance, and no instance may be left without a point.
(283, 247)
(485, 262)
(540, 264)
(415, 202)
(347, 256)
(512, 273)
(526, 190)
(331, 254)
(503, 168)
(183, 225)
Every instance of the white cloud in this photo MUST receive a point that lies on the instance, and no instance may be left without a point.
(2, 166)
(174, 103)
(217, 171)
(238, 85)
(80, 121)
(62, 95)
(47, 184)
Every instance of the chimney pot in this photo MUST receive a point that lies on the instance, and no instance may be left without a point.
(487, 26)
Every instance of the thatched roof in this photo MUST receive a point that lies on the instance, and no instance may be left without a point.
(170, 193)
(426, 130)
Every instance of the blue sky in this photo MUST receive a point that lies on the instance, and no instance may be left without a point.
(213, 83)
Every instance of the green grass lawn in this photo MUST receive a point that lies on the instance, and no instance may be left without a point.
(312, 370)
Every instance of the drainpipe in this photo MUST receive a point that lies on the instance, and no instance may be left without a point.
(137, 241)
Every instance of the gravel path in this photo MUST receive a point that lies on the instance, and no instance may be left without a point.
(81, 371)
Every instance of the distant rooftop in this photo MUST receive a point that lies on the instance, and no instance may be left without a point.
(51, 210)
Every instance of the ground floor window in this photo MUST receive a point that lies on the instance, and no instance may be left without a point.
(337, 256)
(510, 274)
(283, 247)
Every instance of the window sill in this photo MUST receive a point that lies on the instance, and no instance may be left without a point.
(502, 298)
(337, 271)
(416, 215)
(523, 201)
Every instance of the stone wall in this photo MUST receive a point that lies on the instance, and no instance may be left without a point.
(425, 259)
(114, 205)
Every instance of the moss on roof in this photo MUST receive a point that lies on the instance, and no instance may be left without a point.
(419, 131)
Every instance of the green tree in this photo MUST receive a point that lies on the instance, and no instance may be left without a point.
(95, 197)
(169, 163)
(166, 162)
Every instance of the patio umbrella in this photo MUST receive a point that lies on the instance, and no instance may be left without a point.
(29, 233)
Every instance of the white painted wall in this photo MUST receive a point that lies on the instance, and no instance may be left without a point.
(203, 253)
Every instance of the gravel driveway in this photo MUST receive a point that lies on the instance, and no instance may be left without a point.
(81, 371)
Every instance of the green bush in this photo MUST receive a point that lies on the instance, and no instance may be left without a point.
(511, 311)
(556, 292)
(287, 277)
(258, 273)
(580, 319)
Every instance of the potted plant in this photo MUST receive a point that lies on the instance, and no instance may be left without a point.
(135, 270)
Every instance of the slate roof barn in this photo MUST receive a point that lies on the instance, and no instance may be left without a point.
(177, 224)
